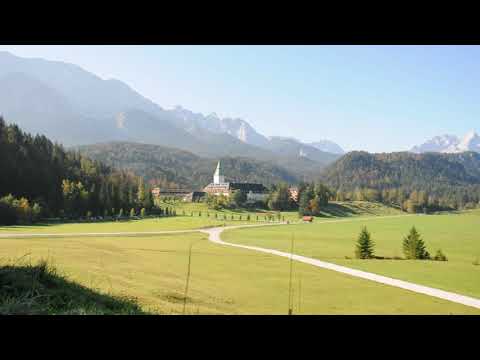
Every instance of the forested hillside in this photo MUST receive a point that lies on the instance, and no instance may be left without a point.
(451, 180)
(40, 178)
(169, 167)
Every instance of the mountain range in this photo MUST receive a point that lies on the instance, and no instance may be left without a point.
(75, 107)
(450, 144)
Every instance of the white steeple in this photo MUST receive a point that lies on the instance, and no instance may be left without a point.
(218, 178)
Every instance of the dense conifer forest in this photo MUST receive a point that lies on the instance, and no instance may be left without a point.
(41, 179)
(414, 182)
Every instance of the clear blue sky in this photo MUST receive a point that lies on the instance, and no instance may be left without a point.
(374, 98)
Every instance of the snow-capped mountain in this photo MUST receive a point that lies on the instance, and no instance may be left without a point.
(328, 146)
(450, 144)
(470, 142)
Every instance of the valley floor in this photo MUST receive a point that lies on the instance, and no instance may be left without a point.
(225, 280)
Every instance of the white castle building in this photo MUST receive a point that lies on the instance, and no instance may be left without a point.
(255, 192)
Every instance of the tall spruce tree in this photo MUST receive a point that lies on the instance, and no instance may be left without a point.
(365, 245)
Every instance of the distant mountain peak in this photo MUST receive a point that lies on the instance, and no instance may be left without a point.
(328, 146)
(74, 106)
(213, 115)
(450, 144)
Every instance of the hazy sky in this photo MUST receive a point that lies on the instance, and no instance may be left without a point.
(374, 98)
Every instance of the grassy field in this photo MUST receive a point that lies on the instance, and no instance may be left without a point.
(156, 224)
(458, 235)
(224, 280)
(186, 222)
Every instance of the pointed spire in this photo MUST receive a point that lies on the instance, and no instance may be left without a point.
(218, 177)
(218, 170)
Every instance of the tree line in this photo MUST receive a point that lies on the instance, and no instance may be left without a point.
(413, 182)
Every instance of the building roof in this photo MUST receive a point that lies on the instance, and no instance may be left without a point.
(247, 187)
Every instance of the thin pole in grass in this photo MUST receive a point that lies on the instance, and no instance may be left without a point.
(290, 299)
(299, 293)
(188, 277)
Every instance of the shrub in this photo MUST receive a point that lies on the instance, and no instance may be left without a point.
(439, 256)
(143, 212)
(8, 215)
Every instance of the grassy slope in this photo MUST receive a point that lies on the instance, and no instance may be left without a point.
(27, 289)
(335, 209)
(223, 279)
(456, 234)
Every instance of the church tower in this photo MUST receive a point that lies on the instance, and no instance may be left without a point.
(218, 178)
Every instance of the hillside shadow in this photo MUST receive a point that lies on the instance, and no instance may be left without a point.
(40, 290)
(72, 222)
(26, 226)
(338, 210)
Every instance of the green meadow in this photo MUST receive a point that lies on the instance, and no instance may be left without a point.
(457, 235)
(152, 271)
(154, 224)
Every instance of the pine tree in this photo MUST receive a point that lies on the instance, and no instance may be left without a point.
(141, 192)
(365, 245)
(149, 202)
(414, 247)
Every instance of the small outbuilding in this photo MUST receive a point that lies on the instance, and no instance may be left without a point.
(307, 218)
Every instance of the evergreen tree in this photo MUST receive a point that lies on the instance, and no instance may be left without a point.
(304, 201)
(365, 245)
(149, 202)
(414, 247)
(141, 192)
